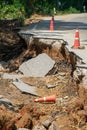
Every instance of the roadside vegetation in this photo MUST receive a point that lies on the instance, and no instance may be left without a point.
(20, 9)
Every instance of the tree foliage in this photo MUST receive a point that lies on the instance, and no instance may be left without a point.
(24, 8)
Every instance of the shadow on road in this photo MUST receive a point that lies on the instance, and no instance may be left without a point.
(58, 25)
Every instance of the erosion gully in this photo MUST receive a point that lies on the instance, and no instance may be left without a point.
(69, 112)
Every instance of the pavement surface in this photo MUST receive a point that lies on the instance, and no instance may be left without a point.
(64, 28)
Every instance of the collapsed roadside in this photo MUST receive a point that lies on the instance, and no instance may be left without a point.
(18, 109)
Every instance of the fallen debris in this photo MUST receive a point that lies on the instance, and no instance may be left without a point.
(11, 76)
(70, 110)
(51, 86)
(38, 66)
(5, 100)
(25, 88)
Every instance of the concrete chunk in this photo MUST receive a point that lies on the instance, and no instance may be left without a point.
(11, 76)
(5, 100)
(47, 123)
(38, 66)
(25, 88)
(51, 86)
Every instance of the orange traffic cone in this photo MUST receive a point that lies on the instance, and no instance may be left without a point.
(51, 25)
(77, 40)
(52, 18)
(51, 98)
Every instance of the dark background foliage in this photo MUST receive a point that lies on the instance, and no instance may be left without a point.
(10, 9)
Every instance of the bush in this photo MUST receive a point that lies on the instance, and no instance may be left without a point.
(71, 10)
(68, 11)
(17, 9)
(11, 11)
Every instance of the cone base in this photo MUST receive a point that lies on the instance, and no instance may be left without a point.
(73, 47)
(76, 44)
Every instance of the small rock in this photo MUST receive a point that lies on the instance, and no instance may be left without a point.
(53, 127)
(47, 122)
(39, 127)
(51, 86)
(66, 97)
(61, 73)
(23, 129)
(1, 96)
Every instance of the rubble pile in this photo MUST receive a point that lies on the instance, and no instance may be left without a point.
(21, 83)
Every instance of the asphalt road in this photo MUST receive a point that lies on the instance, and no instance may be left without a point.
(65, 28)
(70, 23)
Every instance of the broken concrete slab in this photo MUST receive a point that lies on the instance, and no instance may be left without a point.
(25, 88)
(11, 76)
(5, 100)
(38, 66)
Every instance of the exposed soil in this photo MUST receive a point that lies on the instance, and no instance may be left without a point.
(69, 112)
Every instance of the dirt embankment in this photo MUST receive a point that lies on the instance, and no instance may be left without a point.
(70, 110)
